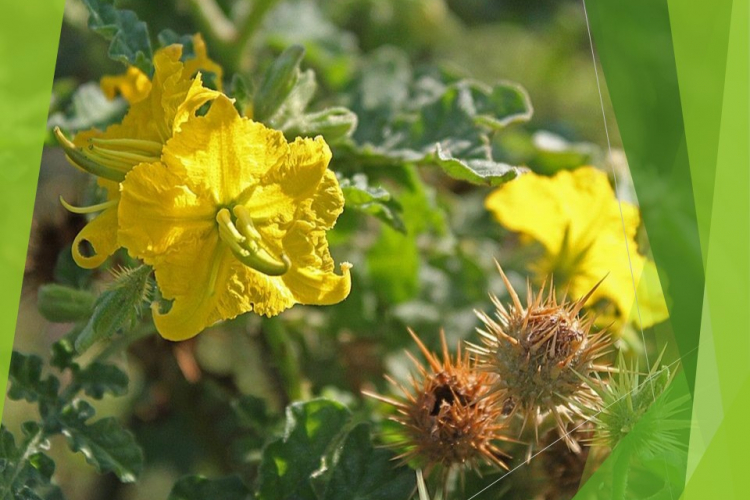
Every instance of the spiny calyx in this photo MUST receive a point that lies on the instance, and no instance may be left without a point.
(541, 355)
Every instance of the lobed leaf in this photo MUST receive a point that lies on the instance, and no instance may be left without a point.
(105, 444)
(129, 38)
(437, 120)
(88, 108)
(375, 201)
(26, 381)
(201, 488)
(364, 473)
(23, 471)
(288, 463)
(98, 379)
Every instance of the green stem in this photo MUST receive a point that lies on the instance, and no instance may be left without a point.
(122, 342)
(228, 39)
(212, 21)
(249, 27)
(284, 360)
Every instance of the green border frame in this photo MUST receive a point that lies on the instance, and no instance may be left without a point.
(29, 37)
(677, 74)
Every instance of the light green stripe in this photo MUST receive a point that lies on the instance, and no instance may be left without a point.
(29, 35)
(719, 454)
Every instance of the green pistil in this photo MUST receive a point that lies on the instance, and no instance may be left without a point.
(246, 243)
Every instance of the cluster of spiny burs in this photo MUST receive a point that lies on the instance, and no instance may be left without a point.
(535, 365)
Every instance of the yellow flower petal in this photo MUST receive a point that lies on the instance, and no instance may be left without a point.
(157, 213)
(133, 85)
(233, 153)
(101, 235)
(171, 100)
(587, 235)
(175, 215)
(544, 207)
(201, 62)
(280, 190)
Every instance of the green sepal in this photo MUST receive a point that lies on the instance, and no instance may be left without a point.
(64, 304)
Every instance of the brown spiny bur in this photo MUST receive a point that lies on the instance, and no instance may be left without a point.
(540, 355)
(448, 416)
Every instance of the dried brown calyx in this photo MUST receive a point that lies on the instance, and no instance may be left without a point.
(541, 355)
(448, 415)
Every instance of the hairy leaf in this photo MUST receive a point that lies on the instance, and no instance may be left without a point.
(26, 381)
(201, 488)
(23, 470)
(130, 42)
(440, 121)
(376, 201)
(105, 443)
(63, 304)
(364, 473)
(288, 463)
(88, 108)
(98, 379)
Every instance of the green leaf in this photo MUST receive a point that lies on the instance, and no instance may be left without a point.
(364, 473)
(431, 121)
(130, 42)
(117, 308)
(88, 108)
(242, 92)
(288, 463)
(67, 272)
(98, 379)
(26, 381)
(252, 412)
(396, 279)
(376, 201)
(168, 37)
(105, 444)
(277, 83)
(63, 304)
(543, 151)
(23, 471)
(200, 488)
(284, 96)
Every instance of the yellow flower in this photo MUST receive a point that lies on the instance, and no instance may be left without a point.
(576, 218)
(134, 85)
(233, 219)
(172, 98)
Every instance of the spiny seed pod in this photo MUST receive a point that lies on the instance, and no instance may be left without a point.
(448, 418)
(539, 354)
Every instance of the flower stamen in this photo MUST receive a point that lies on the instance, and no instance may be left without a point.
(108, 163)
